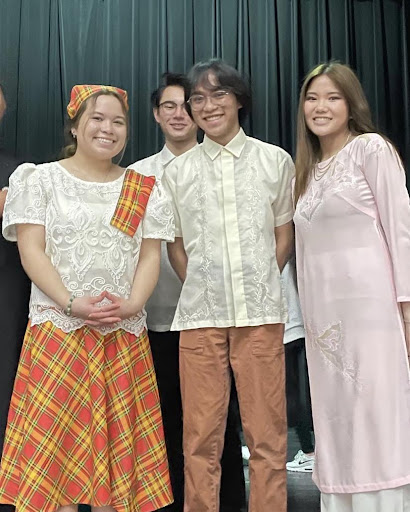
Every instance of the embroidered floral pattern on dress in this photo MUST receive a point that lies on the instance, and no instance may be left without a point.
(309, 202)
(337, 179)
(115, 246)
(159, 210)
(78, 236)
(340, 178)
(89, 254)
(329, 342)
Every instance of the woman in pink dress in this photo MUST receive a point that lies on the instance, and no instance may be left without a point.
(353, 256)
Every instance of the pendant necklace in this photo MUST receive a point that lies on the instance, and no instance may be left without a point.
(319, 173)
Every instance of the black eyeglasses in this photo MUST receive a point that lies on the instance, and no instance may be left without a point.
(170, 107)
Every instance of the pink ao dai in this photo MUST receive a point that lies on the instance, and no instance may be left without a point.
(353, 250)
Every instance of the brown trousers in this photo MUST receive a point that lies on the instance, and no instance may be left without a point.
(256, 355)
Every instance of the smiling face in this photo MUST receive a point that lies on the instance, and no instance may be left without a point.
(326, 110)
(102, 129)
(219, 122)
(175, 122)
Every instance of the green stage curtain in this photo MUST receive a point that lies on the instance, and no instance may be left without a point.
(47, 46)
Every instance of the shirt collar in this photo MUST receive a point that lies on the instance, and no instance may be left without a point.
(166, 156)
(235, 146)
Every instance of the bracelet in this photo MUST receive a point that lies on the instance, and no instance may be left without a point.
(4, 188)
(67, 310)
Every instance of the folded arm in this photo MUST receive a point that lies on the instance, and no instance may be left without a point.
(178, 257)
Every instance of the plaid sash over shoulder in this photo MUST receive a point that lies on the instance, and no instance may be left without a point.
(133, 200)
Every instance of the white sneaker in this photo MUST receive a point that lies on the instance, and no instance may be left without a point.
(302, 463)
(245, 455)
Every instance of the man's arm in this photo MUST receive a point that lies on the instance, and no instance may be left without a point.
(284, 243)
(178, 258)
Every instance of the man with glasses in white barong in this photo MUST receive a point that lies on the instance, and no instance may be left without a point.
(233, 210)
(180, 134)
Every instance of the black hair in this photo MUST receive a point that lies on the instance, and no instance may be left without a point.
(167, 80)
(226, 76)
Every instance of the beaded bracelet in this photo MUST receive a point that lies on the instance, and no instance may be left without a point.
(67, 310)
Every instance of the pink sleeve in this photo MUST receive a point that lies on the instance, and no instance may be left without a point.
(387, 180)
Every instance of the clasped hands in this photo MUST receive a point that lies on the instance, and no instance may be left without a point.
(96, 314)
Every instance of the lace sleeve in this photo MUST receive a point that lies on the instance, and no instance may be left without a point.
(158, 219)
(26, 200)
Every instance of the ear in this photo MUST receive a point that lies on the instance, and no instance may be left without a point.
(156, 115)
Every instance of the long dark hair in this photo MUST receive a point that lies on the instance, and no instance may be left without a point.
(308, 151)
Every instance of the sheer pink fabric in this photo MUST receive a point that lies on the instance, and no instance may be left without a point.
(353, 250)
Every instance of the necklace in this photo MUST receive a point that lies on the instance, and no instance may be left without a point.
(319, 173)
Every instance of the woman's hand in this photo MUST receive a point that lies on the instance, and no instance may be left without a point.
(121, 308)
(95, 314)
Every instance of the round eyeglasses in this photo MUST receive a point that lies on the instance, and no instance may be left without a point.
(170, 107)
(198, 101)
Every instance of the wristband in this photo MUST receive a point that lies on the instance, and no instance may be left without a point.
(67, 310)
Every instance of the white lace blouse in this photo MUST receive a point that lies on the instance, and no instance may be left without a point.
(90, 255)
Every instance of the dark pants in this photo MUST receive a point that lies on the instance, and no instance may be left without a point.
(298, 393)
(165, 352)
(14, 297)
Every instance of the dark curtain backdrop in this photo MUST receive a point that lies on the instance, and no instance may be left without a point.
(47, 46)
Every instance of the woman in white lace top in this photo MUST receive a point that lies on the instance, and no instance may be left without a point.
(84, 423)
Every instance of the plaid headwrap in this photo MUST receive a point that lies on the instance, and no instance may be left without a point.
(79, 93)
(132, 202)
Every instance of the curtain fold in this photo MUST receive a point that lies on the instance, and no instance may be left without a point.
(47, 46)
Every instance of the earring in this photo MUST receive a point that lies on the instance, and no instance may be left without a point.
(74, 135)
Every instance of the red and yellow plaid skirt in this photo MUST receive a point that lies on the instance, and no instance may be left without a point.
(84, 424)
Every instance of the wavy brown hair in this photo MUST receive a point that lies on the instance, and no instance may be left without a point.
(71, 143)
(308, 148)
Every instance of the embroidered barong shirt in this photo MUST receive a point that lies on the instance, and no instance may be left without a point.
(227, 202)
